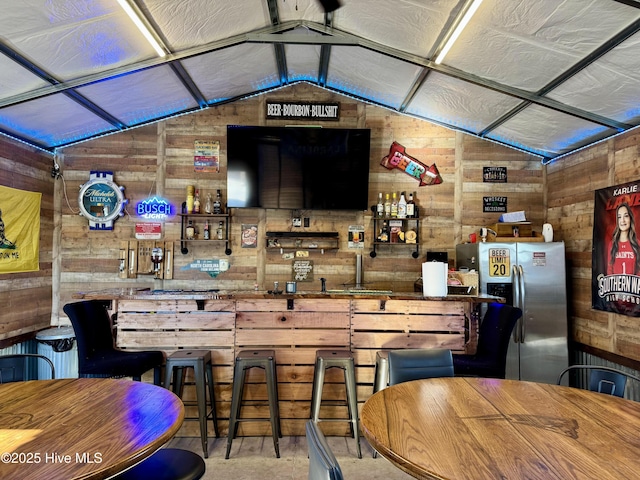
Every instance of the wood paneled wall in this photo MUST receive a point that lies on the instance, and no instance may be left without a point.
(158, 159)
(26, 298)
(571, 183)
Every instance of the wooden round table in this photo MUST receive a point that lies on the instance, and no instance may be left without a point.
(82, 427)
(478, 428)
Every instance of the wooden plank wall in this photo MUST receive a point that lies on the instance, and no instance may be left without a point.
(571, 183)
(26, 298)
(159, 159)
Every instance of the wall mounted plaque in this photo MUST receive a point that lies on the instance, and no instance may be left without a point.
(101, 201)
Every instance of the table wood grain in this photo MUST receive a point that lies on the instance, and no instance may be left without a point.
(85, 428)
(478, 428)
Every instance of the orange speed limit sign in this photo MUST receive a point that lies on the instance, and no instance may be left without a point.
(499, 262)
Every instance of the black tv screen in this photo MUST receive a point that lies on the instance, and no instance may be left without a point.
(298, 167)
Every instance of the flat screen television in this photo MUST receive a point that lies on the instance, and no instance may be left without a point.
(298, 168)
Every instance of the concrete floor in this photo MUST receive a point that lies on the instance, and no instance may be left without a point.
(254, 458)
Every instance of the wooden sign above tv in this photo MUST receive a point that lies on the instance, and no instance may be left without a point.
(303, 111)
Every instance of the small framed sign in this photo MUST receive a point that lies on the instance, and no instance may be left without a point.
(494, 204)
(494, 174)
(302, 270)
(303, 111)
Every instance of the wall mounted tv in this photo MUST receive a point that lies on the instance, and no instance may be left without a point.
(298, 168)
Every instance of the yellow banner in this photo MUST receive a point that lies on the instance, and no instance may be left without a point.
(19, 230)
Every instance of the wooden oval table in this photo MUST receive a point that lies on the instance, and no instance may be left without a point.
(89, 428)
(479, 428)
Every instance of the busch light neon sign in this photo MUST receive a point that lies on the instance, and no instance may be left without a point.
(155, 208)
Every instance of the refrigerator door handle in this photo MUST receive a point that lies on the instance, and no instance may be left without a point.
(515, 284)
(523, 295)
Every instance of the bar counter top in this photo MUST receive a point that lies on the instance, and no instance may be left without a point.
(149, 294)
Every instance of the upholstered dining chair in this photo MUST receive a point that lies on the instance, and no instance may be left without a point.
(322, 462)
(14, 367)
(419, 363)
(490, 359)
(97, 355)
(602, 379)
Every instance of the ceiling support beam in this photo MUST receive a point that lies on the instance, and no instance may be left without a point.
(188, 83)
(72, 94)
(577, 67)
(278, 47)
(486, 83)
(325, 53)
(330, 36)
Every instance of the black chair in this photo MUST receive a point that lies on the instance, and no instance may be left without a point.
(97, 355)
(602, 379)
(167, 464)
(419, 363)
(490, 359)
(14, 367)
(322, 462)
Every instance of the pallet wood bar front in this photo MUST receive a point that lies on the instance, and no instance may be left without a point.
(295, 326)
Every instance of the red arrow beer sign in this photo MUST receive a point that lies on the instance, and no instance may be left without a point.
(397, 158)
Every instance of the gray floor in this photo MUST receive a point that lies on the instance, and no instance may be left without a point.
(254, 458)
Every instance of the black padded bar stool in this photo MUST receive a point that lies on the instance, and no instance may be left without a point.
(200, 361)
(339, 359)
(167, 464)
(245, 360)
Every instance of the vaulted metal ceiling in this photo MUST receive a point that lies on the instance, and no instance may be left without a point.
(544, 76)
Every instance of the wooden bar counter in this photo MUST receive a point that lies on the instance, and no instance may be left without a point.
(295, 326)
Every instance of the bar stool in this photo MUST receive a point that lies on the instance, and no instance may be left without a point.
(245, 360)
(381, 376)
(341, 359)
(200, 361)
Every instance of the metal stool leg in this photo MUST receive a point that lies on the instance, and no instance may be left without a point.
(318, 383)
(381, 377)
(272, 392)
(214, 415)
(236, 398)
(350, 383)
(201, 399)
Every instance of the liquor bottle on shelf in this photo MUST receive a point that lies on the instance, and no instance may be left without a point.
(387, 205)
(402, 206)
(394, 206)
(380, 207)
(190, 199)
(217, 205)
(219, 231)
(384, 233)
(196, 202)
(190, 231)
(208, 205)
(206, 233)
(411, 207)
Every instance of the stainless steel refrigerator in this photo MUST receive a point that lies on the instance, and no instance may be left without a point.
(531, 276)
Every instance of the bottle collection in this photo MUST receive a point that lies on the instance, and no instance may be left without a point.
(392, 210)
(194, 206)
(394, 207)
